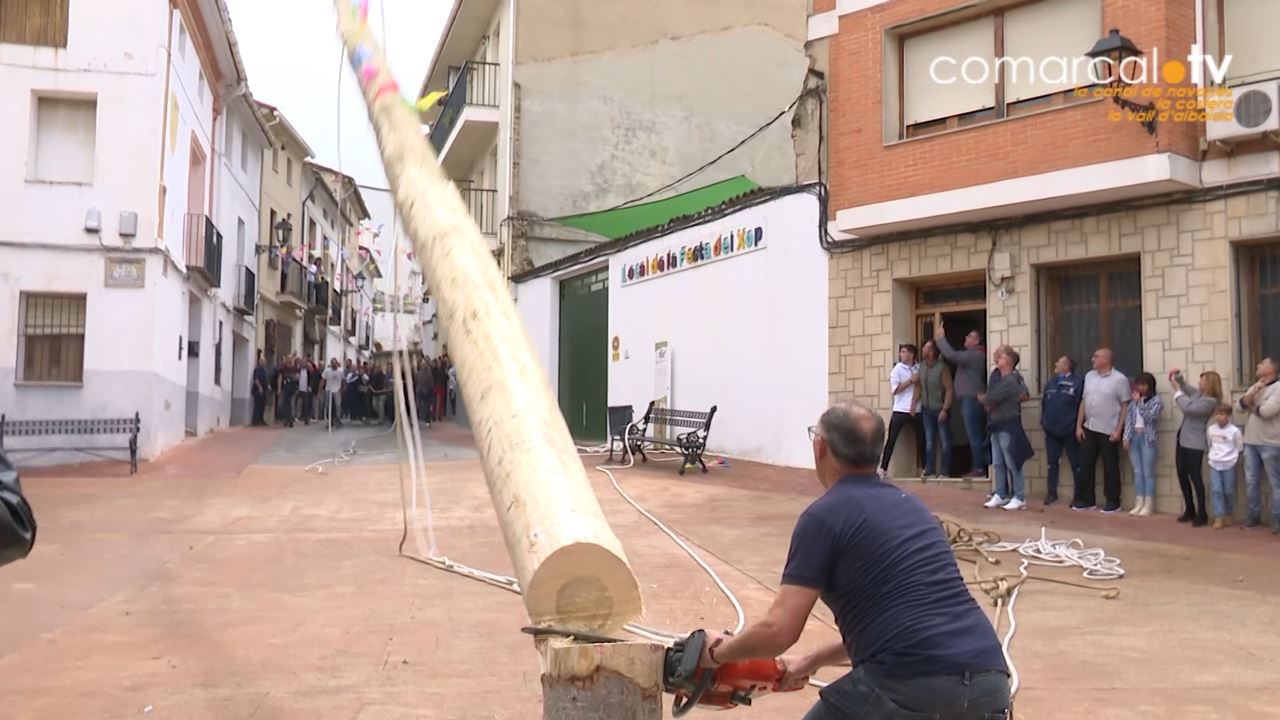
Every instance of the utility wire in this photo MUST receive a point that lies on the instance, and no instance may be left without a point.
(714, 160)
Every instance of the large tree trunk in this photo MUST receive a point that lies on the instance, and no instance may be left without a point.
(571, 567)
(606, 681)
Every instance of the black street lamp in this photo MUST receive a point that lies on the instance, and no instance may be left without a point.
(1111, 51)
(283, 231)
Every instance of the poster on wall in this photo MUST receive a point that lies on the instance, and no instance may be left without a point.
(662, 379)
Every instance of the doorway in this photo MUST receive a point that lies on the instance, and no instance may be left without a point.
(960, 307)
(194, 329)
(584, 359)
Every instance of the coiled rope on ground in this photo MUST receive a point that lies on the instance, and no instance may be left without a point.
(1003, 590)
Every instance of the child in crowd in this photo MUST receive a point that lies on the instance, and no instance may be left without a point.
(1225, 444)
(1140, 442)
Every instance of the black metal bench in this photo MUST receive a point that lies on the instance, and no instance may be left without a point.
(53, 428)
(690, 444)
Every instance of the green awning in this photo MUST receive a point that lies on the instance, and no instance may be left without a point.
(614, 224)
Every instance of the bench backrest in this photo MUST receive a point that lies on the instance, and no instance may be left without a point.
(96, 426)
(690, 419)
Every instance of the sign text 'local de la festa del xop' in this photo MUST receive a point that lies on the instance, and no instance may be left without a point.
(696, 254)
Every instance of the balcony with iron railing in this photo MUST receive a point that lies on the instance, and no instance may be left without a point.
(317, 296)
(202, 249)
(246, 299)
(483, 206)
(335, 308)
(468, 123)
(293, 283)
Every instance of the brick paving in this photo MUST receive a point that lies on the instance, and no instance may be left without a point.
(201, 592)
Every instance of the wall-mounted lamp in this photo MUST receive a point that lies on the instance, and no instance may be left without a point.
(283, 231)
(1110, 53)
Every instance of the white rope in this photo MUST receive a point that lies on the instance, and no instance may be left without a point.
(341, 456)
(1013, 627)
(715, 577)
(1095, 562)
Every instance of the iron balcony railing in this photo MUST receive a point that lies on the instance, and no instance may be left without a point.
(318, 296)
(202, 248)
(476, 84)
(293, 281)
(483, 205)
(335, 308)
(246, 291)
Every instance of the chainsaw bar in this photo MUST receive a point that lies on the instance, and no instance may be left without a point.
(567, 633)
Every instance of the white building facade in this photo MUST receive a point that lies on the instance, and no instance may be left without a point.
(115, 261)
(237, 195)
(741, 315)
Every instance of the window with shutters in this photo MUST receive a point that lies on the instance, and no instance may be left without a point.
(35, 22)
(1018, 60)
(1245, 30)
(63, 140)
(1093, 306)
(51, 338)
(1259, 304)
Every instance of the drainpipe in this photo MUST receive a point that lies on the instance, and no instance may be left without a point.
(1200, 36)
(164, 125)
(511, 131)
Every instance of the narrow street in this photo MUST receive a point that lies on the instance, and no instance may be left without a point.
(225, 581)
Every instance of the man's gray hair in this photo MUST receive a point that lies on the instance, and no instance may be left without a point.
(854, 434)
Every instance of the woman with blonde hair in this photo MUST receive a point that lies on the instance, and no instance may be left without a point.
(1197, 406)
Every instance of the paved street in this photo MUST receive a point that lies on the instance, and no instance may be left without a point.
(224, 581)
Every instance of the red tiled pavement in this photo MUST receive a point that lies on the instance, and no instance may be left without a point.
(219, 455)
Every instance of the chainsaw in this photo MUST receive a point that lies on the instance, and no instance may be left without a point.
(728, 686)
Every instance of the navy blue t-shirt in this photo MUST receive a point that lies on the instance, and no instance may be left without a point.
(886, 570)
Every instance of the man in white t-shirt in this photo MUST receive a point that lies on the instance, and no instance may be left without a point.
(904, 388)
(333, 378)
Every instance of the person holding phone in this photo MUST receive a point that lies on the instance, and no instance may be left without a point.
(1197, 406)
(1140, 433)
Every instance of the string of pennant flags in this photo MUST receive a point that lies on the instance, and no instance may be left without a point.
(365, 61)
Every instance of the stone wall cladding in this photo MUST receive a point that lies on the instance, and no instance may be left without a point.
(1189, 288)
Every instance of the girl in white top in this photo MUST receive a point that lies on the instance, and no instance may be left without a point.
(1225, 444)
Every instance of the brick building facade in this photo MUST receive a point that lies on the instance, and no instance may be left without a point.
(1032, 215)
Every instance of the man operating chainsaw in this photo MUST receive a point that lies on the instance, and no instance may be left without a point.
(919, 644)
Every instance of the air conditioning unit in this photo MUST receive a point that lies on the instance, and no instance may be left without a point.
(1255, 111)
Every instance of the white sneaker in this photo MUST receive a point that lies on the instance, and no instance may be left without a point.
(1015, 504)
(995, 501)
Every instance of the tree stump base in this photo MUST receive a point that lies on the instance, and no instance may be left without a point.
(601, 681)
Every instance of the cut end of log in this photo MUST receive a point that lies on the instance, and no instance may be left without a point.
(583, 586)
(613, 681)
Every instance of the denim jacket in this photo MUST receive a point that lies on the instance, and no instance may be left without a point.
(1150, 410)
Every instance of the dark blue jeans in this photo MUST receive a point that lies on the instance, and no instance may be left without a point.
(863, 695)
(975, 426)
(936, 434)
(1053, 447)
